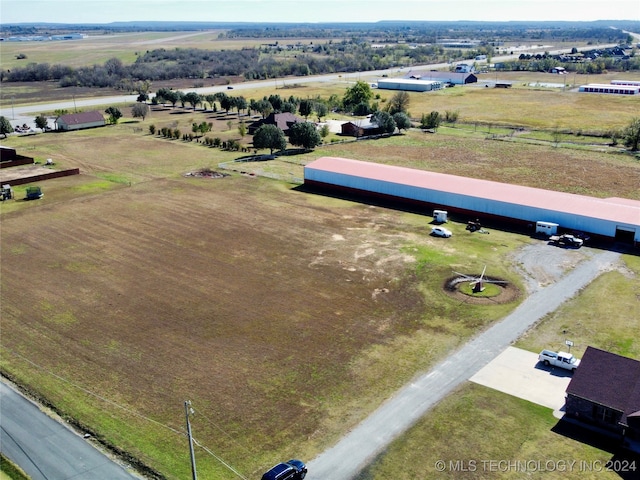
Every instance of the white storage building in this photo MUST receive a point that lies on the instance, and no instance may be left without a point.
(617, 218)
(610, 88)
(409, 84)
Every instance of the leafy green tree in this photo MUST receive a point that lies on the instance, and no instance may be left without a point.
(324, 131)
(240, 104)
(41, 122)
(143, 97)
(226, 102)
(304, 134)
(403, 122)
(385, 121)
(398, 103)
(358, 93)
(361, 109)
(305, 108)
(114, 114)
(430, 121)
(271, 137)
(631, 135)
(242, 129)
(140, 110)
(152, 129)
(264, 107)
(5, 126)
(451, 116)
(210, 99)
(193, 99)
(321, 110)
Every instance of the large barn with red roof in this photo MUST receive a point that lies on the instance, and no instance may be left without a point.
(615, 218)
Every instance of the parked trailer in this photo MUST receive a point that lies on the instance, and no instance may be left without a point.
(546, 228)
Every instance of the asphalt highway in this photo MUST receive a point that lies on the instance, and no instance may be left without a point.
(47, 449)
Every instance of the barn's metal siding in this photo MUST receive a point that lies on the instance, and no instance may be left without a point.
(469, 202)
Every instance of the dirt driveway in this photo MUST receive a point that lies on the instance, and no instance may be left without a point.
(517, 372)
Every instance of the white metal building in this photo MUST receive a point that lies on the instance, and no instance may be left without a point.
(409, 84)
(617, 218)
(611, 88)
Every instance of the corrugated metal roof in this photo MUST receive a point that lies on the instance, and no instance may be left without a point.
(613, 209)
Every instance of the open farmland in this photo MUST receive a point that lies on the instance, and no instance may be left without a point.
(284, 317)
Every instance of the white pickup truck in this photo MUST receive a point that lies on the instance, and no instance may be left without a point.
(559, 359)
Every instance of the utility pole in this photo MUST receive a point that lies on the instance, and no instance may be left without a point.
(187, 408)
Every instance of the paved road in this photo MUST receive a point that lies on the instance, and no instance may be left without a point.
(45, 448)
(359, 447)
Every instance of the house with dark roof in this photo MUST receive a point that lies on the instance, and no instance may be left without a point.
(605, 391)
(281, 120)
(78, 121)
(360, 128)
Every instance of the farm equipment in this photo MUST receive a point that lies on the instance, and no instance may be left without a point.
(33, 193)
(6, 193)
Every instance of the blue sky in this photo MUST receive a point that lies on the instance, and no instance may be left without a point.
(105, 11)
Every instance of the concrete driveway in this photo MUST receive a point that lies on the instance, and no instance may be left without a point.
(517, 372)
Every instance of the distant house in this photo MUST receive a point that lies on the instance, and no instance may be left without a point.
(78, 121)
(605, 391)
(448, 77)
(360, 128)
(465, 68)
(281, 120)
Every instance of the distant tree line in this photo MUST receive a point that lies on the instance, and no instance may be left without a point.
(162, 64)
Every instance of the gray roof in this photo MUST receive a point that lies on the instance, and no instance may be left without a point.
(81, 118)
(608, 379)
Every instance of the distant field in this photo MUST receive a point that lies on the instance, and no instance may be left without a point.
(125, 46)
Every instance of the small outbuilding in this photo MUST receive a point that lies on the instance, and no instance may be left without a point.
(79, 121)
(605, 392)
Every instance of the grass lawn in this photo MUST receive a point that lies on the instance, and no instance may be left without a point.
(477, 432)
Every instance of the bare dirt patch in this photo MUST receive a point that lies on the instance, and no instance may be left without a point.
(7, 175)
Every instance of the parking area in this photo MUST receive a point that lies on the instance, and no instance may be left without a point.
(517, 372)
